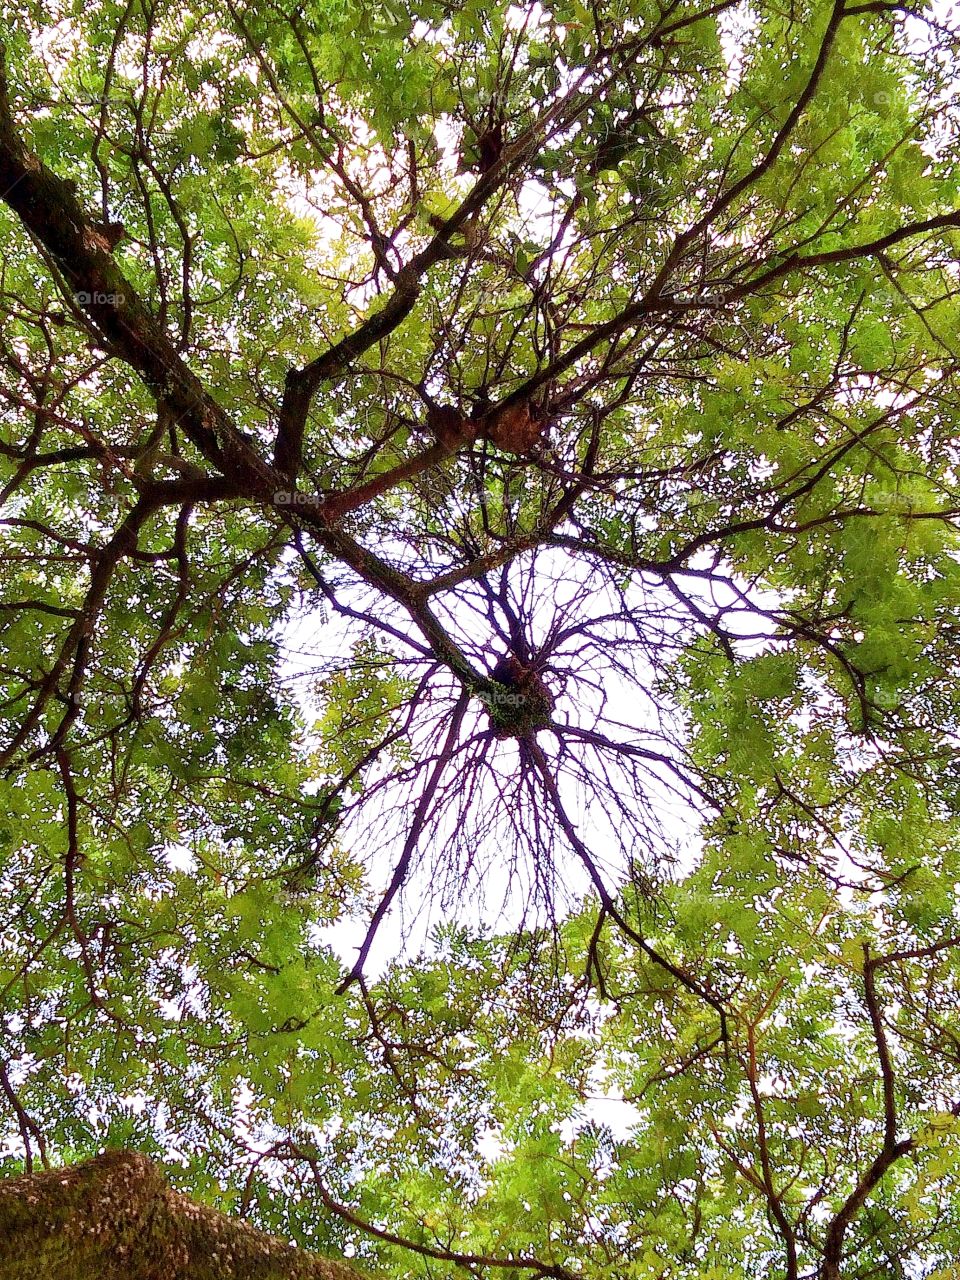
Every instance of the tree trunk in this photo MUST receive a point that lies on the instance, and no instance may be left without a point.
(115, 1218)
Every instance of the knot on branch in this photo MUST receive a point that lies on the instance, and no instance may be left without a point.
(514, 428)
(449, 427)
(517, 700)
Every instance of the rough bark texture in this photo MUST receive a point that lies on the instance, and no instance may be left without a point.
(115, 1218)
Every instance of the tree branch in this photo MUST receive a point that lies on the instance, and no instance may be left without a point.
(115, 1217)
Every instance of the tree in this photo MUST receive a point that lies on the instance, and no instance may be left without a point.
(113, 1216)
(461, 453)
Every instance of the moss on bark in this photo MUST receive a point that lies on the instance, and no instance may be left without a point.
(115, 1218)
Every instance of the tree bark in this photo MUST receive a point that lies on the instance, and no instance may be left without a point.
(115, 1218)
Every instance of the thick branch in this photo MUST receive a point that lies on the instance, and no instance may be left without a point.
(114, 1218)
(50, 210)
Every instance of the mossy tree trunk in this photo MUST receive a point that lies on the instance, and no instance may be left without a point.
(115, 1218)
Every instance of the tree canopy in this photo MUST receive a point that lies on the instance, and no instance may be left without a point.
(479, 597)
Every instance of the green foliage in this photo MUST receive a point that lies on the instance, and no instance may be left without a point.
(705, 256)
